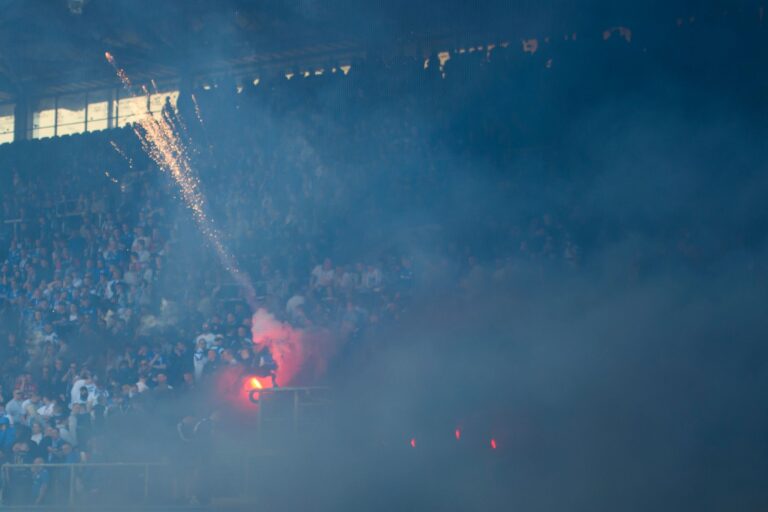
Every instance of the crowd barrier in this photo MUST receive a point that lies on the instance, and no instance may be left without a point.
(282, 414)
(73, 483)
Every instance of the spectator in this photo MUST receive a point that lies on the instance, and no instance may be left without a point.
(322, 275)
(50, 445)
(68, 454)
(7, 436)
(14, 408)
(81, 292)
(41, 480)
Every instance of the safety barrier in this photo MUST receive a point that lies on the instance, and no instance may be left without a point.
(68, 482)
(282, 414)
(292, 407)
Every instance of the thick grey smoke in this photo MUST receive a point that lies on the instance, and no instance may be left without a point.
(630, 375)
(633, 381)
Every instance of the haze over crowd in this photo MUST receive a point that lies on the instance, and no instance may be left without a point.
(558, 246)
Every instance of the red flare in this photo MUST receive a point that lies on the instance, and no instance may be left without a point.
(457, 433)
(413, 442)
(493, 444)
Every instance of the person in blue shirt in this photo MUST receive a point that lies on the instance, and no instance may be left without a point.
(68, 454)
(41, 479)
(7, 436)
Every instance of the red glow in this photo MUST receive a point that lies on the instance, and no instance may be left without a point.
(235, 387)
(300, 355)
(284, 342)
(413, 442)
(457, 433)
(493, 444)
(251, 383)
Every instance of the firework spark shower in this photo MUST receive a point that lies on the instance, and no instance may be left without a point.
(165, 141)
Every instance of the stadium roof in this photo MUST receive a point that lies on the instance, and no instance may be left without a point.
(47, 48)
(55, 46)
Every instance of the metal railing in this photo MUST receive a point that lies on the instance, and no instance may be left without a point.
(292, 405)
(66, 479)
(282, 416)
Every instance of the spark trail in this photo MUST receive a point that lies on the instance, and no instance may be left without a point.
(162, 138)
(197, 110)
(122, 153)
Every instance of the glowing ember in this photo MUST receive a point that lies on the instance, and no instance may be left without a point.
(623, 32)
(197, 110)
(530, 45)
(457, 433)
(488, 51)
(122, 153)
(110, 177)
(413, 442)
(443, 57)
(493, 444)
(120, 72)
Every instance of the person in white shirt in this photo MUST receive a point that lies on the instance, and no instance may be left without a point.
(37, 433)
(372, 278)
(14, 409)
(141, 252)
(83, 381)
(45, 410)
(30, 406)
(140, 241)
(206, 336)
(199, 358)
(49, 335)
(295, 302)
(33, 400)
(141, 384)
(322, 275)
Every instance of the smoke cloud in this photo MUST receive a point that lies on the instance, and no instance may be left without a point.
(300, 355)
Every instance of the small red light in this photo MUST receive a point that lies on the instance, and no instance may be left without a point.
(493, 444)
(413, 442)
(457, 433)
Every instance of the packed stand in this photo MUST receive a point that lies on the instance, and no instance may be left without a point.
(112, 305)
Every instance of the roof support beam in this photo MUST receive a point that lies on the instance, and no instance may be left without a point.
(22, 117)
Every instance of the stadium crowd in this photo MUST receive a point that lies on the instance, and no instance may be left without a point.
(338, 198)
(113, 305)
